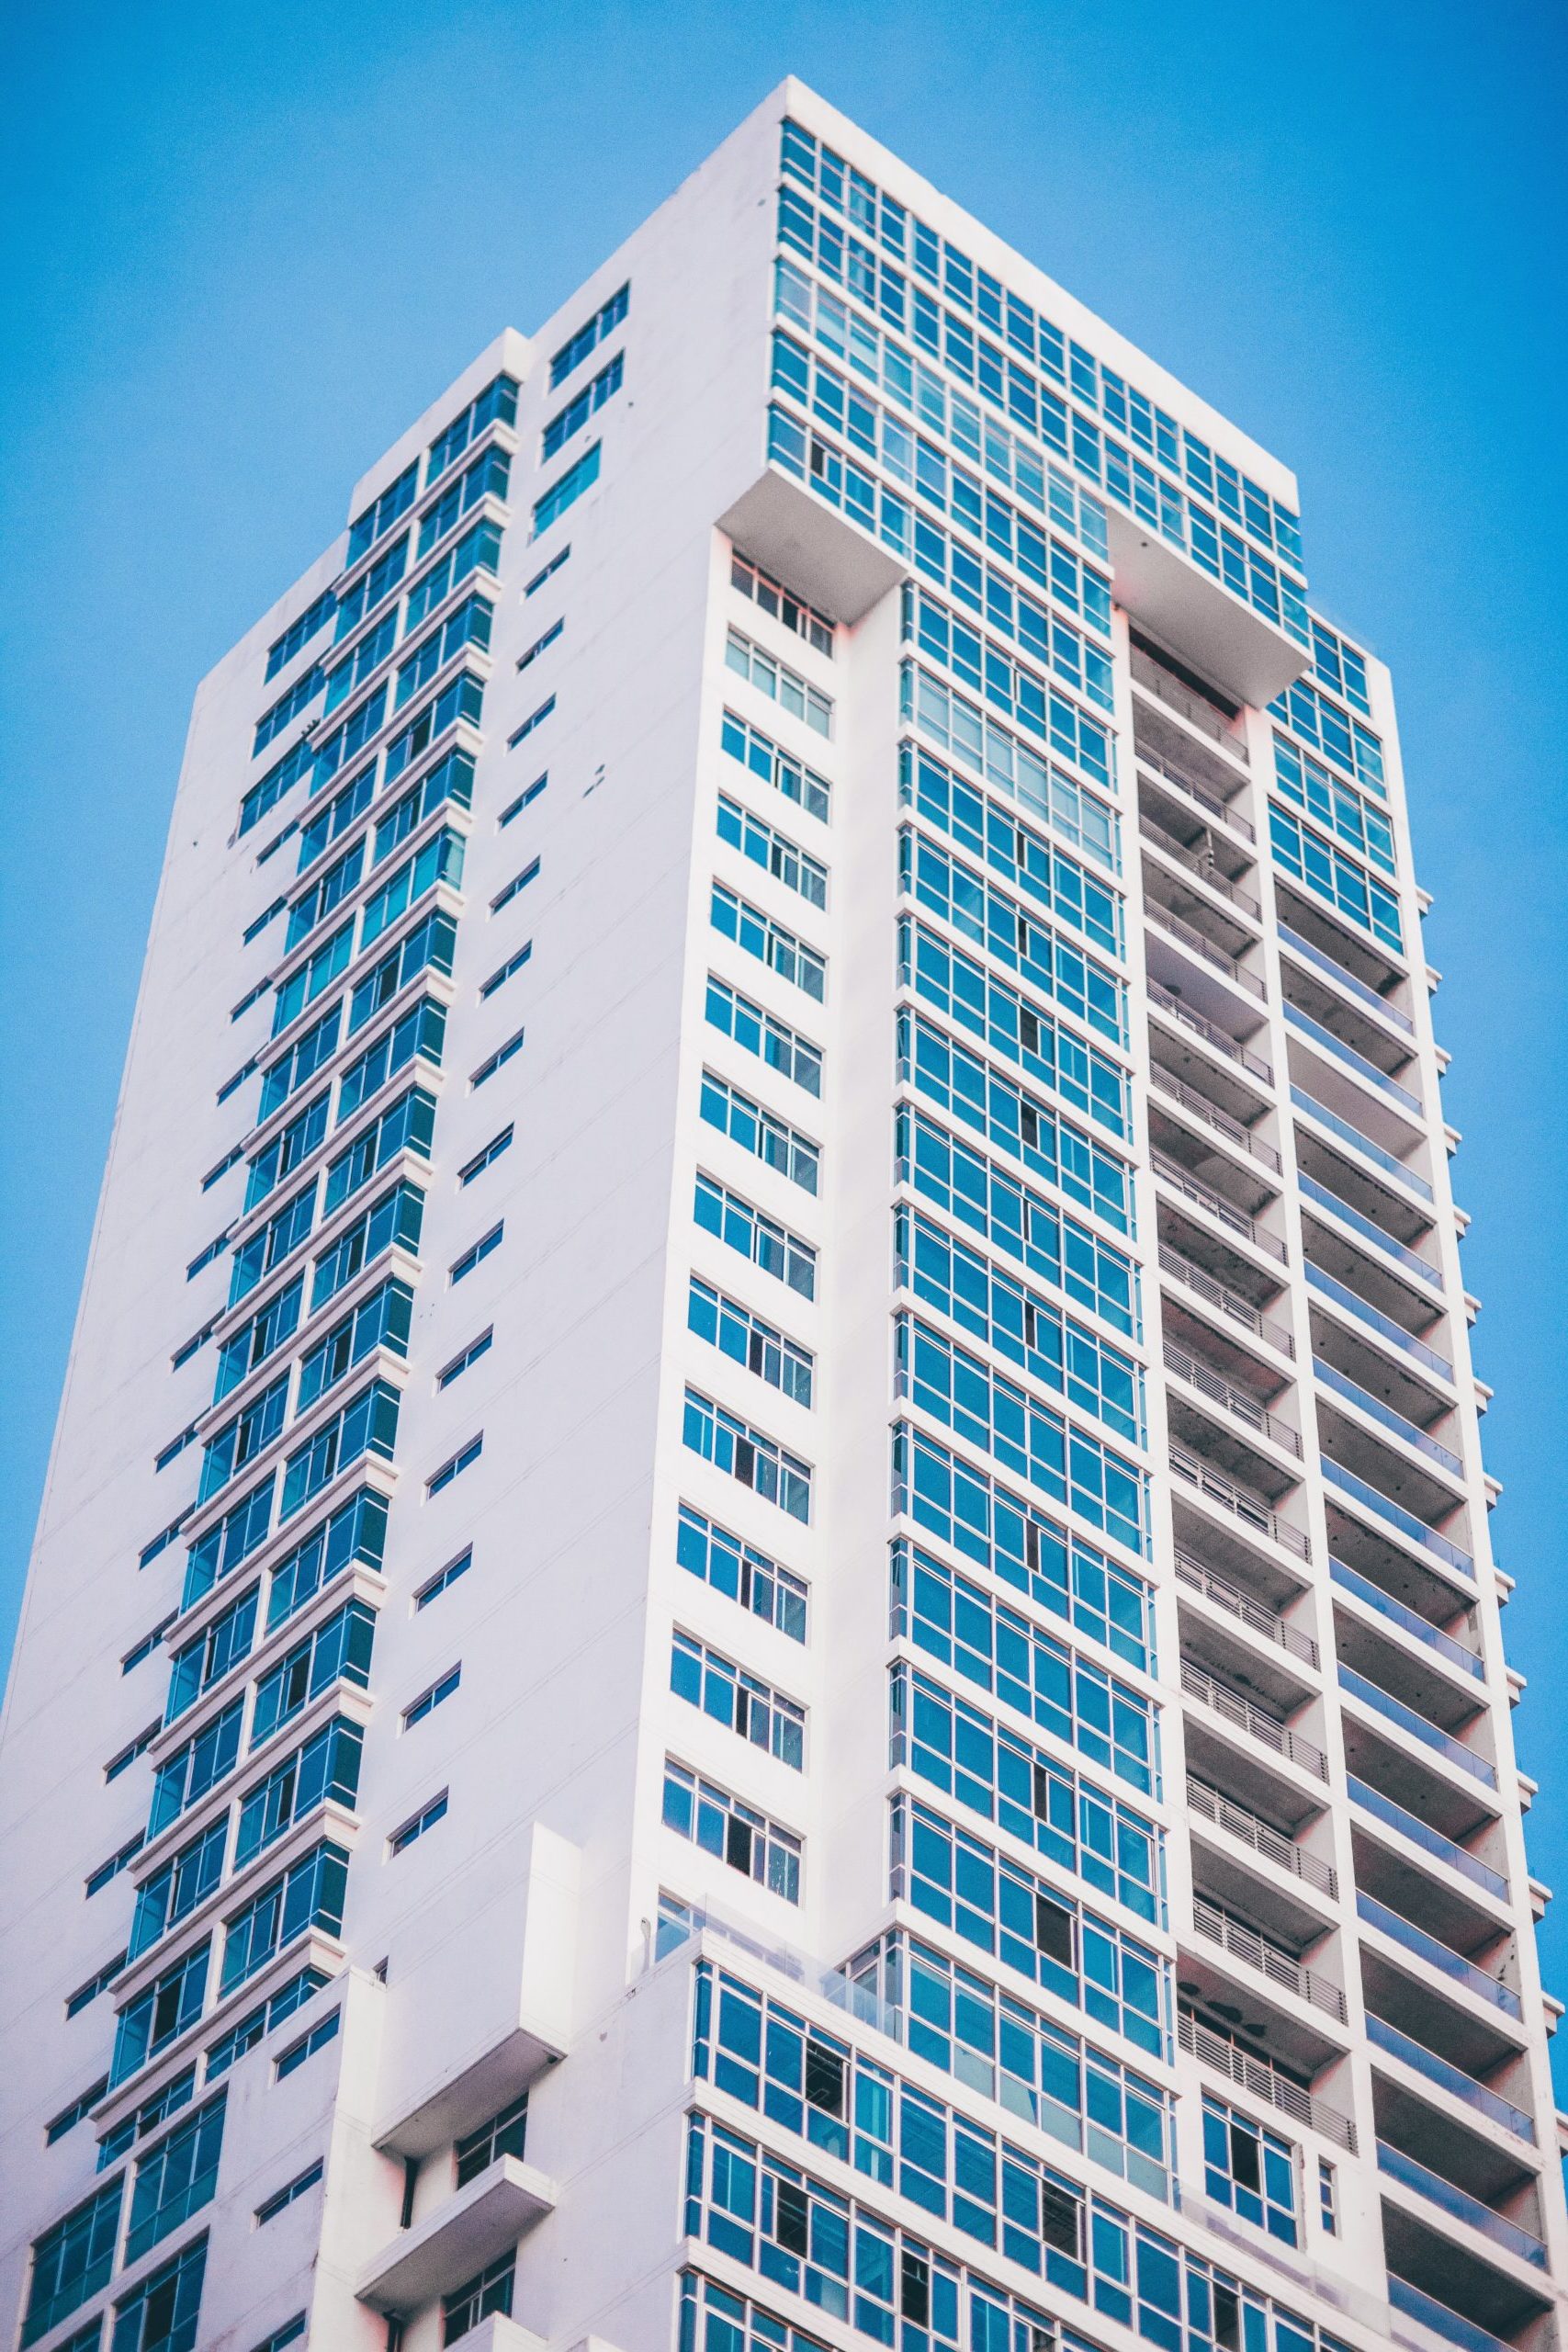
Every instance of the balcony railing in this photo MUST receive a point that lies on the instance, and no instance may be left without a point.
(1256, 1721)
(1383, 1325)
(1264, 2080)
(1460, 2204)
(1252, 1830)
(1195, 862)
(1347, 980)
(1182, 1179)
(1176, 1009)
(1280, 1966)
(1175, 774)
(1375, 1410)
(1358, 1142)
(1407, 1619)
(1194, 939)
(1367, 1229)
(1238, 1402)
(1199, 1577)
(1249, 1508)
(1451, 2324)
(1212, 1116)
(1430, 1840)
(1193, 708)
(1415, 1531)
(1427, 2062)
(1450, 1964)
(1406, 1719)
(1368, 1072)
(1229, 1302)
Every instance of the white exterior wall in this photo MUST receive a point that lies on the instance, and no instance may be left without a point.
(514, 1943)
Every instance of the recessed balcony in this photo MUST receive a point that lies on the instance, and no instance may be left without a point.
(1349, 1132)
(1177, 1003)
(1406, 1434)
(1263, 2079)
(1440, 2074)
(1244, 1503)
(1363, 963)
(1205, 718)
(1211, 857)
(1236, 1400)
(1272, 1961)
(1207, 1141)
(1257, 1723)
(1195, 1194)
(1394, 1518)
(1188, 775)
(1374, 1320)
(1482, 1985)
(1346, 1056)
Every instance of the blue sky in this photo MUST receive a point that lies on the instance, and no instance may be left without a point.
(246, 245)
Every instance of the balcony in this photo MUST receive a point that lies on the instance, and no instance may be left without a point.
(1198, 1577)
(1442, 1645)
(1172, 1005)
(1393, 1514)
(1406, 1719)
(1461, 2205)
(1486, 2103)
(1342, 1296)
(1359, 1141)
(1450, 1964)
(1249, 1829)
(1215, 720)
(1431, 1842)
(1239, 1403)
(1246, 1715)
(1180, 773)
(1339, 1385)
(1179, 925)
(1366, 1071)
(1450, 2325)
(1272, 1960)
(1179, 1268)
(1263, 2079)
(1214, 863)
(1379, 968)
(1241, 1502)
(1408, 1261)
(1214, 1203)
(1330, 967)
(460, 2236)
(1231, 1131)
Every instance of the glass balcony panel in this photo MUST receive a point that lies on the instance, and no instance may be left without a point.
(1407, 1619)
(1438, 1955)
(1415, 1529)
(1367, 1071)
(1374, 1408)
(1394, 1711)
(1383, 1325)
(1359, 1142)
(1369, 1230)
(1431, 1842)
(1422, 2061)
(1460, 2204)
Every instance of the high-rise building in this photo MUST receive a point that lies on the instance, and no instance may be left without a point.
(763, 1616)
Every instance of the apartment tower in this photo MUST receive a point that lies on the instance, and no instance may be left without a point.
(763, 1617)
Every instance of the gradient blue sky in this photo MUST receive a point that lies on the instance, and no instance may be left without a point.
(246, 245)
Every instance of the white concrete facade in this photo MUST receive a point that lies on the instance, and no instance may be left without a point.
(1112, 1096)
